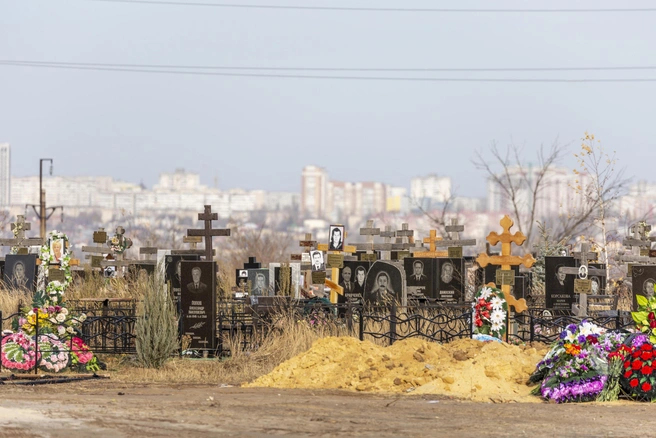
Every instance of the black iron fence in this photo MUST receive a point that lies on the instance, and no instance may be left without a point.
(109, 326)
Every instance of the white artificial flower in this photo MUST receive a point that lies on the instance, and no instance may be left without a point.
(61, 317)
(571, 337)
(69, 329)
(485, 293)
(61, 330)
(496, 326)
(82, 317)
(497, 303)
(498, 316)
(64, 310)
(53, 320)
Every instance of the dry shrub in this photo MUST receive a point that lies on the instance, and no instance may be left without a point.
(94, 285)
(157, 325)
(10, 301)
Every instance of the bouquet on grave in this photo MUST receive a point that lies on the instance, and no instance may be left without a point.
(576, 368)
(489, 312)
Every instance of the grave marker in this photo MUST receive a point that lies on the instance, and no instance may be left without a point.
(582, 285)
(455, 244)
(20, 243)
(207, 232)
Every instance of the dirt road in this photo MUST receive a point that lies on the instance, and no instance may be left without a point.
(110, 409)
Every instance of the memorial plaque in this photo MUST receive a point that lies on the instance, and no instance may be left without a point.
(582, 286)
(318, 277)
(385, 284)
(490, 273)
(367, 257)
(644, 252)
(296, 257)
(95, 261)
(335, 260)
(56, 274)
(400, 255)
(505, 277)
(455, 252)
(100, 237)
(559, 287)
(652, 253)
(198, 302)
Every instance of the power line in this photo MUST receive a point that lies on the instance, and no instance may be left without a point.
(298, 76)
(369, 9)
(348, 69)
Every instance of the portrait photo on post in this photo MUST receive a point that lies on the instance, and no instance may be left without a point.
(316, 258)
(336, 237)
(57, 250)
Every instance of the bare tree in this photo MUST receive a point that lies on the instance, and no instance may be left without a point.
(439, 217)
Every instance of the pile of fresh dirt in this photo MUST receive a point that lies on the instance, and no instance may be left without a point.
(465, 368)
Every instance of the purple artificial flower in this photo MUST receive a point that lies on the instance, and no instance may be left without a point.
(572, 328)
(581, 339)
(563, 335)
(639, 340)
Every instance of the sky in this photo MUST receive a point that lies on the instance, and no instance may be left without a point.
(259, 132)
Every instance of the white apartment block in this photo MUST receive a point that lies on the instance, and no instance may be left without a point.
(314, 191)
(430, 190)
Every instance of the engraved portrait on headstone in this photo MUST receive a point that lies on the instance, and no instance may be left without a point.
(360, 278)
(419, 277)
(643, 278)
(648, 287)
(336, 238)
(449, 284)
(259, 279)
(196, 286)
(173, 272)
(20, 271)
(385, 284)
(559, 287)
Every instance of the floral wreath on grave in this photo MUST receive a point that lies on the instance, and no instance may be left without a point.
(18, 227)
(576, 368)
(489, 312)
(18, 352)
(55, 289)
(119, 245)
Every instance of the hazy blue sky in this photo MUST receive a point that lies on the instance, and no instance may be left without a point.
(260, 132)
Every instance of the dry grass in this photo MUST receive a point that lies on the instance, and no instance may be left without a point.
(284, 339)
(10, 301)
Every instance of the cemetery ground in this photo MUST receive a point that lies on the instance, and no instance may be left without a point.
(110, 408)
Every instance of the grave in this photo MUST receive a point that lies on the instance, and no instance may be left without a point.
(335, 261)
(582, 284)
(208, 232)
(559, 287)
(20, 244)
(198, 303)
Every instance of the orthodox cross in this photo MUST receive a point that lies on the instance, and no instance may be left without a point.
(406, 235)
(252, 263)
(387, 236)
(149, 252)
(307, 245)
(506, 260)
(20, 243)
(583, 285)
(455, 244)
(371, 233)
(207, 232)
(639, 243)
(432, 240)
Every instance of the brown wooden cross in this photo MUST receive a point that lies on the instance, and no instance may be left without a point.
(582, 285)
(371, 233)
(207, 232)
(20, 241)
(455, 244)
(639, 243)
(149, 252)
(432, 240)
(406, 235)
(506, 260)
(95, 253)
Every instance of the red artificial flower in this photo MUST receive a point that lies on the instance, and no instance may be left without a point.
(592, 339)
(478, 322)
(646, 370)
(646, 386)
(646, 355)
(651, 316)
(627, 374)
(636, 365)
(652, 324)
(647, 346)
(489, 306)
(486, 314)
(627, 364)
(634, 382)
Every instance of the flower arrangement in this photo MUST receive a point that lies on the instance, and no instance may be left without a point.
(51, 319)
(52, 292)
(645, 317)
(54, 354)
(490, 310)
(119, 243)
(639, 376)
(18, 352)
(576, 368)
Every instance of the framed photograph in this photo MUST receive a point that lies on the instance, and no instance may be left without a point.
(352, 278)
(58, 249)
(259, 280)
(20, 271)
(316, 258)
(336, 237)
(643, 278)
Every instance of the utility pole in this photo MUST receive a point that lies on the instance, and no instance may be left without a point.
(41, 212)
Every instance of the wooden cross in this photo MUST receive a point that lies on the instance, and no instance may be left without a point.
(432, 252)
(333, 283)
(307, 245)
(418, 248)
(95, 253)
(506, 260)
(387, 236)
(149, 252)
(371, 233)
(207, 216)
(406, 235)
(20, 241)
(640, 244)
(454, 243)
(582, 285)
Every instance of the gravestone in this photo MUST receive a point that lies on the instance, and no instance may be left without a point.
(286, 279)
(559, 287)
(354, 282)
(208, 232)
(643, 278)
(582, 284)
(20, 271)
(259, 281)
(420, 274)
(385, 284)
(449, 276)
(173, 273)
(198, 303)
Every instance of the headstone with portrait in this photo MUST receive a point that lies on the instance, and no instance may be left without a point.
(558, 286)
(259, 281)
(449, 275)
(420, 276)
(385, 284)
(198, 303)
(173, 273)
(353, 278)
(643, 278)
(20, 271)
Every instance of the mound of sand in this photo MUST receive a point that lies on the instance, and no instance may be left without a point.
(480, 371)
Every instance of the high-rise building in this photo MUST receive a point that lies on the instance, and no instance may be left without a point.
(5, 174)
(430, 191)
(314, 190)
